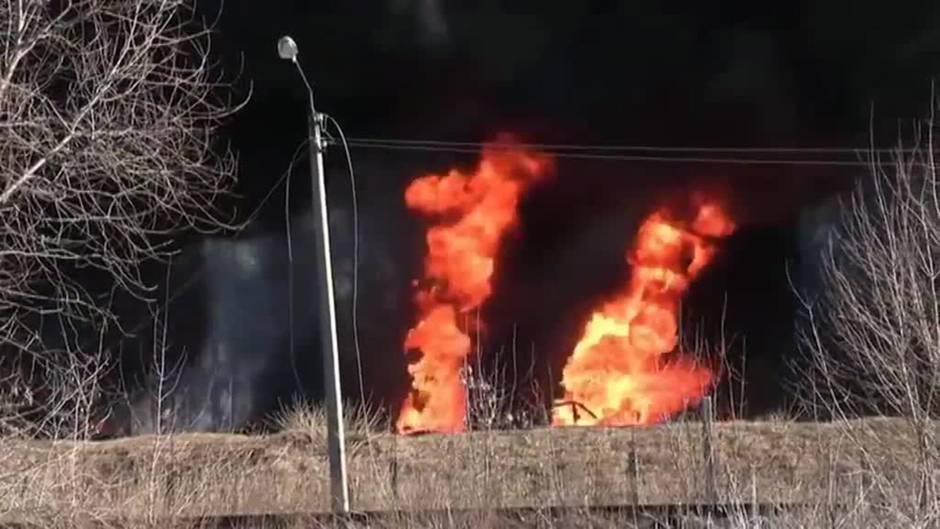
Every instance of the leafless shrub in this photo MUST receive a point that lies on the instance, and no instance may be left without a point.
(494, 398)
(107, 110)
(301, 416)
(872, 339)
(717, 355)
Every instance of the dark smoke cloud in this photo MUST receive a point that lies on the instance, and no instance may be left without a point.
(744, 74)
(259, 344)
(429, 18)
(236, 370)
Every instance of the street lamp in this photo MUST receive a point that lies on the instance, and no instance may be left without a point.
(336, 441)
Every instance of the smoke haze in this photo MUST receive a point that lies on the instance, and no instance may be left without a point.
(642, 73)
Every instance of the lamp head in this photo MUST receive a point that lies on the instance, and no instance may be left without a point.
(287, 48)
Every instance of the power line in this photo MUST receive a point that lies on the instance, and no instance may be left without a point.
(355, 227)
(622, 148)
(557, 150)
(623, 157)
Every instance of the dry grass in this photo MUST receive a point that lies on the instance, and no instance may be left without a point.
(154, 479)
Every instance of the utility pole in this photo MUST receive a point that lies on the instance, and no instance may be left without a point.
(336, 437)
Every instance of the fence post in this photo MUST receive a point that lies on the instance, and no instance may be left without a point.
(635, 477)
(634, 471)
(755, 505)
(393, 471)
(708, 450)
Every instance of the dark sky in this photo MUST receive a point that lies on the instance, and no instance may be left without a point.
(641, 72)
(638, 71)
(723, 74)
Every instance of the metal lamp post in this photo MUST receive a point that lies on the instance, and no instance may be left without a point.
(339, 487)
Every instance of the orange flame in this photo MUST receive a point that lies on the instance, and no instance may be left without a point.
(474, 211)
(618, 371)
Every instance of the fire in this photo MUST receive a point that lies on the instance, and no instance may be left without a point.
(618, 373)
(472, 212)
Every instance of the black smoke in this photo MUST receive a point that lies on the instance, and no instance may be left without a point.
(732, 73)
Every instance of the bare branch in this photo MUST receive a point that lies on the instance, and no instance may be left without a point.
(107, 116)
(873, 337)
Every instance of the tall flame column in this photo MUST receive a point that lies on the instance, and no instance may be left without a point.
(470, 212)
(619, 373)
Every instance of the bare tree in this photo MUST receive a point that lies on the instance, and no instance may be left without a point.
(107, 114)
(872, 337)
